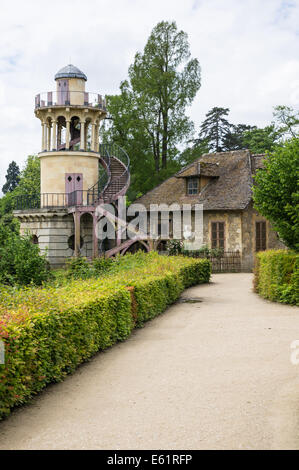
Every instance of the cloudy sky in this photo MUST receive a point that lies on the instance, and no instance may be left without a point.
(248, 51)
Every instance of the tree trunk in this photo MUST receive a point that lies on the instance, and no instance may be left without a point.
(165, 141)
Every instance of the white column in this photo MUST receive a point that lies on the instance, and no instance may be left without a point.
(48, 137)
(43, 136)
(54, 138)
(93, 145)
(67, 135)
(82, 135)
(96, 138)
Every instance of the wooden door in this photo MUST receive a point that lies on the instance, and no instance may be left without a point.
(74, 188)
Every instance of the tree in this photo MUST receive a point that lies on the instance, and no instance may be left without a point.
(276, 191)
(148, 117)
(261, 140)
(190, 154)
(30, 177)
(29, 184)
(234, 137)
(12, 178)
(215, 127)
(286, 120)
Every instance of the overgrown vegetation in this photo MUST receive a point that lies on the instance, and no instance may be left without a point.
(276, 276)
(49, 331)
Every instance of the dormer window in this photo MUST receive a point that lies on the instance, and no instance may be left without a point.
(192, 186)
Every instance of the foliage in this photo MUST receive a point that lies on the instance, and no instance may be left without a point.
(30, 177)
(102, 265)
(174, 247)
(49, 331)
(148, 117)
(28, 184)
(12, 178)
(286, 121)
(276, 194)
(234, 138)
(214, 128)
(190, 154)
(260, 140)
(277, 276)
(81, 268)
(20, 260)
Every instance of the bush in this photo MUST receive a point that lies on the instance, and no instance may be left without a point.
(20, 260)
(78, 268)
(49, 331)
(276, 276)
(102, 265)
(81, 268)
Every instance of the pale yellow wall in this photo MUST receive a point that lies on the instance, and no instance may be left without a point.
(54, 167)
(75, 85)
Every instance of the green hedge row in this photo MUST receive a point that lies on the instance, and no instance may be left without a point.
(276, 276)
(64, 327)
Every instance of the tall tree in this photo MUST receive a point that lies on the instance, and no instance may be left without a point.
(215, 127)
(12, 178)
(163, 81)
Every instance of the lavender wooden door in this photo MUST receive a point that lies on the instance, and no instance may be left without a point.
(63, 92)
(74, 188)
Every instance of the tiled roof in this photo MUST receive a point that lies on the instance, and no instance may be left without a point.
(229, 187)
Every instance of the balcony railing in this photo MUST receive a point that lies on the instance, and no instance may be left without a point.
(70, 98)
(56, 200)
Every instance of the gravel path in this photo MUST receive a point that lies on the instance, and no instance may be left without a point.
(214, 374)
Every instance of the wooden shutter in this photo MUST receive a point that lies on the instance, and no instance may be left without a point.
(218, 235)
(260, 236)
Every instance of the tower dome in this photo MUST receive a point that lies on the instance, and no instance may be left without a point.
(70, 71)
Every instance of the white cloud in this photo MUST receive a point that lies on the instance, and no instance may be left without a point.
(247, 50)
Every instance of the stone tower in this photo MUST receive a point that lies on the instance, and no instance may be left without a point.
(77, 173)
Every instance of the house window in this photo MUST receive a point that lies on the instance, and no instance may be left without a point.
(192, 186)
(217, 235)
(260, 236)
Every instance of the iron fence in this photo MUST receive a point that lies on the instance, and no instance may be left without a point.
(225, 262)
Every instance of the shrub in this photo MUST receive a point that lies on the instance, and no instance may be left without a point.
(20, 260)
(49, 331)
(276, 276)
(78, 268)
(174, 247)
(102, 265)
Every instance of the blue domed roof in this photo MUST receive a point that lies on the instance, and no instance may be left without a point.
(70, 71)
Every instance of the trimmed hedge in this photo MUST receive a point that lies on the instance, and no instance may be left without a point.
(49, 331)
(276, 276)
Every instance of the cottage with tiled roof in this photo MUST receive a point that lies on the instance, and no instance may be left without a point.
(222, 183)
